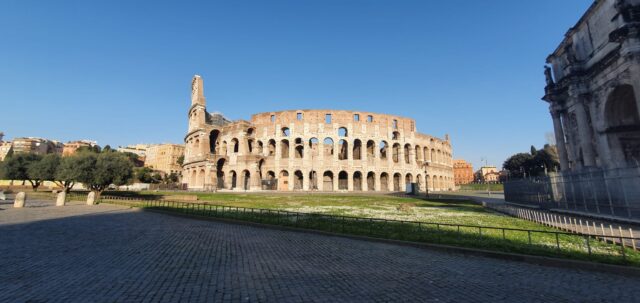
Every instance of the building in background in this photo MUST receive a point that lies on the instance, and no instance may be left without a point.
(164, 157)
(138, 149)
(302, 150)
(5, 149)
(462, 172)
(37, 146)
(71, 147)
(1, 136)
(487, 174)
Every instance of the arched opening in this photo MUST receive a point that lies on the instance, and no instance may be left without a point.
(419, 181)
(396, 136)
(246, 179)
(251, 131)
(429, 184)
(371, 149)
(433, 156)
(407, 153)
(234, 179)
(270, 183)
(272, 147)
(371, 181)
(313, 179)
(213, 141)
(418, 152)
(396, 182)
(357, 149)
(396, 153)
(357, 181)
(425, 154)
(284, 149)
(283, 181)
(408, 179)
(285, 132)
(328, 147)
(250, 145)
(343, 180)
(297, 180)
(236, 145)
(313, 146)
(299, 151)
(623, 122)
(384, 182)
(383, 150)
(343, 146)
(220, 173)
(342, 132)
(327, 181)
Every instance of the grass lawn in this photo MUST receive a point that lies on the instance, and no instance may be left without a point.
(411, 209)
(491, 187)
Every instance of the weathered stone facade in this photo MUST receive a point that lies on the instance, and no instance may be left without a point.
(324, 150)
(594, 93)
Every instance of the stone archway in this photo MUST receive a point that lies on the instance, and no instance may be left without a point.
(622, 122)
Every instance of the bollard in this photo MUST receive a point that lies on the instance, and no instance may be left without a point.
(61, 199)
(91, 198)
(21, 197)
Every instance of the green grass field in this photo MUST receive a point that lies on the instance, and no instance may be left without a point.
(408, 209)
(483, 187)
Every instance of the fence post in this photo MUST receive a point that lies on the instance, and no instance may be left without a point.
(633, 240)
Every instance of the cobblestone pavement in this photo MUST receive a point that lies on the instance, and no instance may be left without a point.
(108, 253)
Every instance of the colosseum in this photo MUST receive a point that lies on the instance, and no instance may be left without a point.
(311, 150)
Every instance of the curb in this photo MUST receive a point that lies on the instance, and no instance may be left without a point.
(537, 260)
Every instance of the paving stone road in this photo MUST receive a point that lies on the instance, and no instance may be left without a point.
(108, 253)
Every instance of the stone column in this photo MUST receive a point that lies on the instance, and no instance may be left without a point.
(350, 181)
(61, 198)
(306, 181)
(19, 202)
(570, 150)
(91, 198)
(255, 182)
(560, 143)
(584, 132)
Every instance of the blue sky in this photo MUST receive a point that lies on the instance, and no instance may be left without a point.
(119, 71)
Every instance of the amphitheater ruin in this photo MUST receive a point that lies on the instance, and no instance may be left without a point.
(311, 150)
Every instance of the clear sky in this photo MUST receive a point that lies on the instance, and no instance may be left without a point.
(119, 72)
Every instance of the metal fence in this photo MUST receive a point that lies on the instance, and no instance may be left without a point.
(605, 248)
(614, 192)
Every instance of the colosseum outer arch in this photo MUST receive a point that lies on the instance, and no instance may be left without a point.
(310, 150)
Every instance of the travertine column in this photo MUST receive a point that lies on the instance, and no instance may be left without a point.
(562, 151)
(584, 132)
(571, 153)
(91, 198)
(61, 198)
(350, 181)
(19, 202)
(255, 178)
(306, 180)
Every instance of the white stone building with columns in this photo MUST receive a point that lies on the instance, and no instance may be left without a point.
(593, 92)
(311, 150)
(593, 88)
